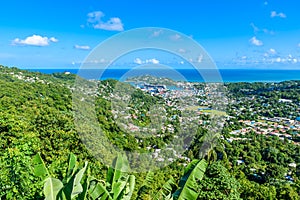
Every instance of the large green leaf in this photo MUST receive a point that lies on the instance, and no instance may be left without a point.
(74, 187)
(121, 184)
(189, 182)
(165, 193)
(98, 191)
(40, 169)
(119, 168)
(71, 168)
(77, 187)
(52, 187)
(85, 186)
(146, 183)
(129, 188)
(123, 189)
(148, 179)
(117, 176)
(119, 187)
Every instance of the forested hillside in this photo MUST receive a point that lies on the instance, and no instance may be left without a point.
(37, 118)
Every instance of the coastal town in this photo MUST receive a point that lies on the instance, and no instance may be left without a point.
(195, 99)
(251, 128)
(279, 127)
(282, 127)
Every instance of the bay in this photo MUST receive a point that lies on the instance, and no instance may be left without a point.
(191, 75)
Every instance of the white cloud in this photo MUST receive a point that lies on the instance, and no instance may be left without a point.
(200, 58)
(138, 61)
(82, 47)
(299, 45)
(258, 30)
(113, 24)
(285, 59)
(34, 40)
(157, 33)
(255, 28)
(272, 51)
(278, 60)
(275, 14)
(53, 39)
(101, 61)
(256, 42)
(175, 37)
(181, 50)
(266, 3)
(268, 31)
(153, 61)
(266, 58)
(94, 17)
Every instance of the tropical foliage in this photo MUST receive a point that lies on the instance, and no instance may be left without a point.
(38, 141)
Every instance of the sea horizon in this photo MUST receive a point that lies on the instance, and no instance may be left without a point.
(191, 75)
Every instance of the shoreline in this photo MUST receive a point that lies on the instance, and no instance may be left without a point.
(192, 75)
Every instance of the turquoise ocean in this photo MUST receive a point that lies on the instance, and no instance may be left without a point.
(192, 75)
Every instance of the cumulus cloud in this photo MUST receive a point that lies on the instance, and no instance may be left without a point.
(138, 61)
(101, 61)
(279, 60)
(175, 37)
(289, 59)
(153, 61)
(267, 58)
(275, 14)
(268, 31)
(255, 41)
(200, 58)
(53, 39)
(261, 30)
(94, 17)
(34, 40)
(157, 33)
(181, 50)
(113, 24)
(272, 51)
(255, 28)
(148, 61)
(82, 47)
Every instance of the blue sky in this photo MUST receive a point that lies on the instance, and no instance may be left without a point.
(236, 33)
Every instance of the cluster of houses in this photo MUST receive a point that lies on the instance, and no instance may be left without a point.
(153, 89)
(280, 127)
(29, 79)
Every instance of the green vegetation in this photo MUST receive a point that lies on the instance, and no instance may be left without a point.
(38, 144)
(118, 185)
